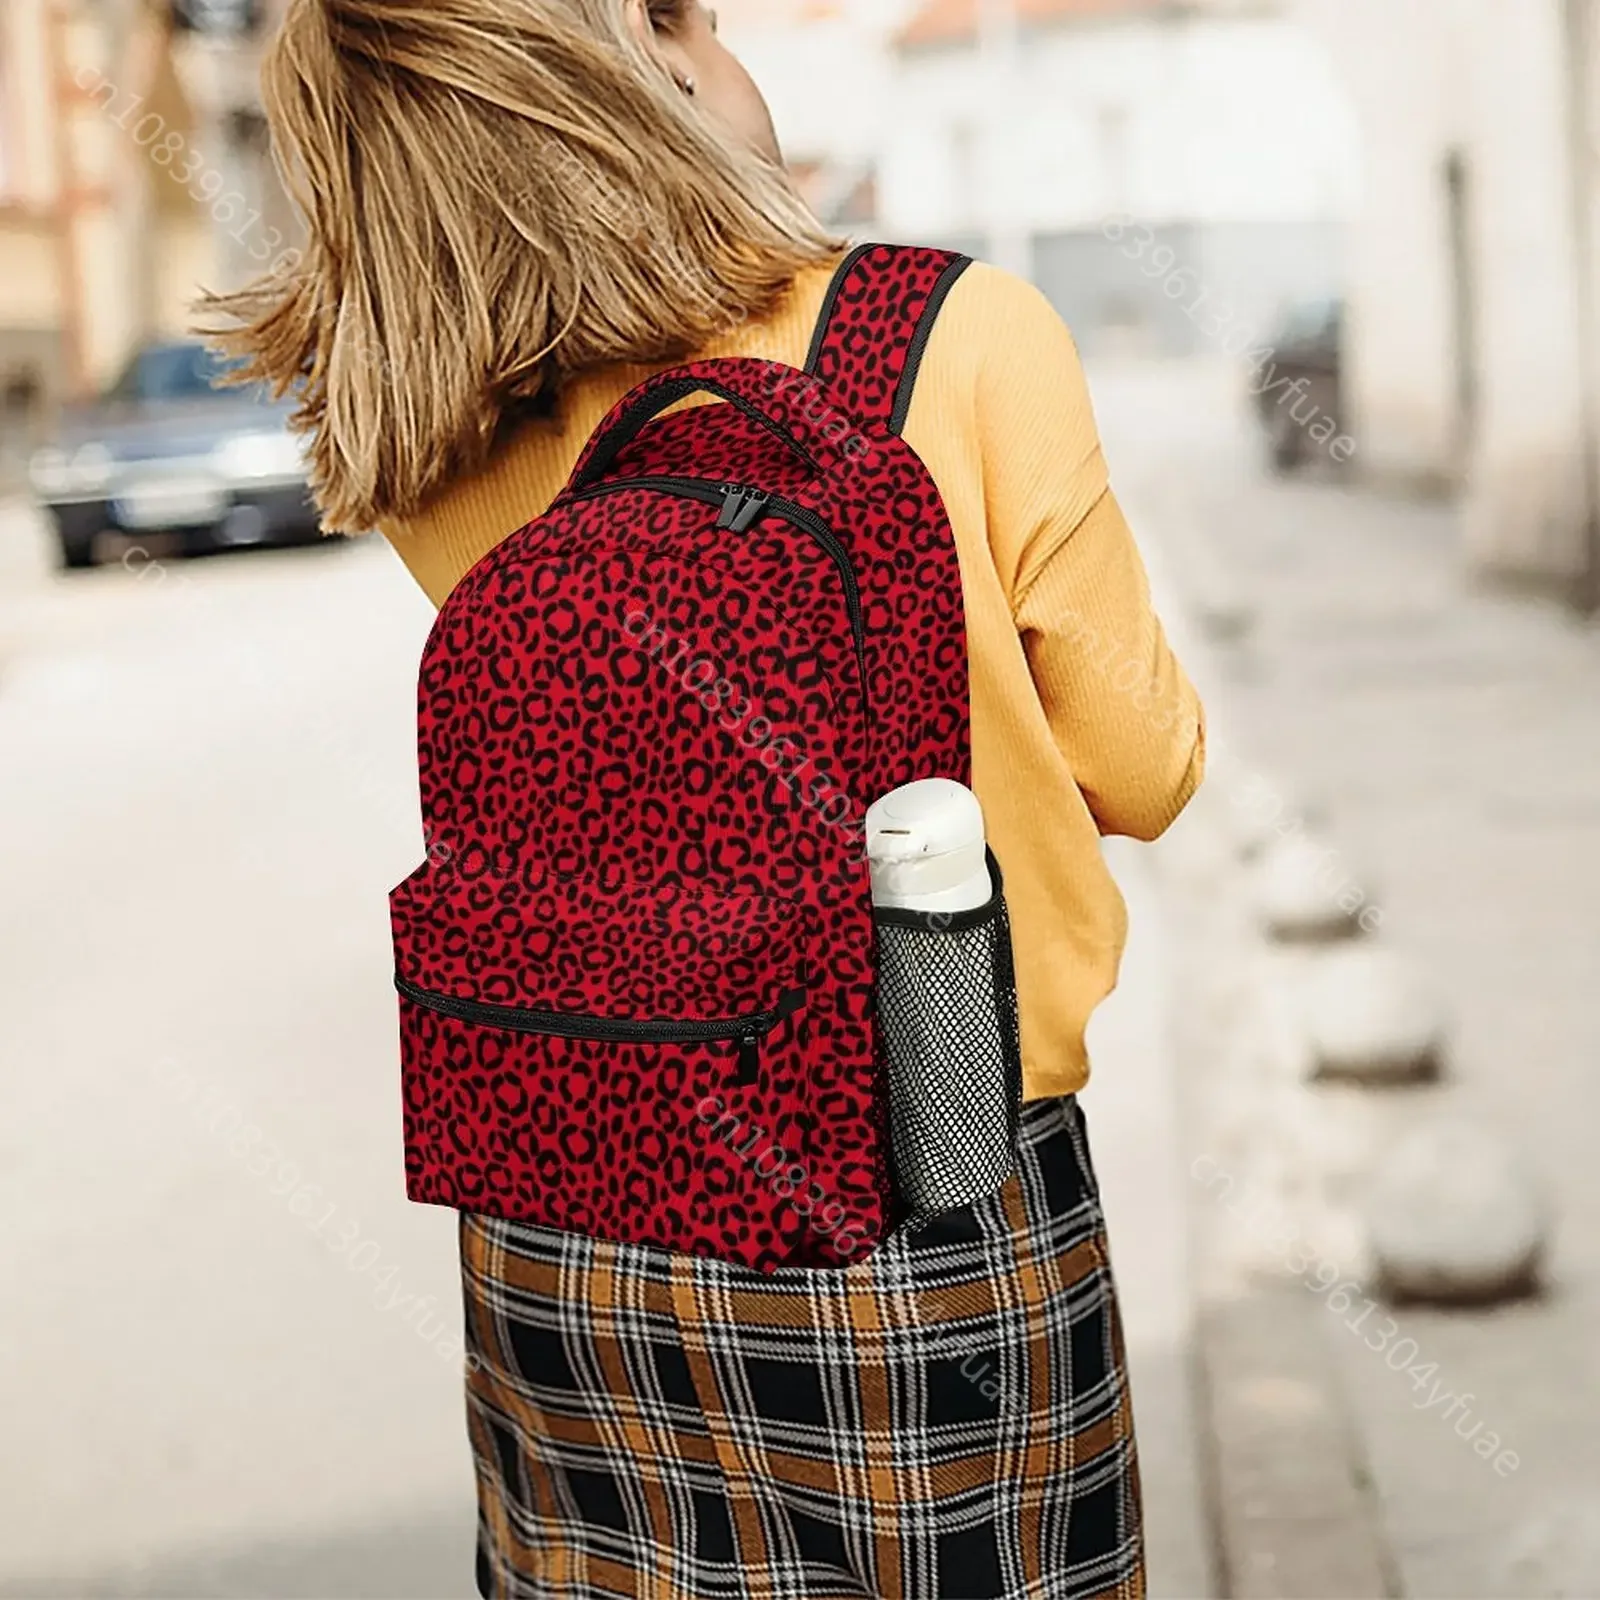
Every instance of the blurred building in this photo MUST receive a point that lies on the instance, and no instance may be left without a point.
(49, 204)
(217, 48)
(829, 73)
(1216, 132)
(1473, 351)
(134, 169)
(83, 97)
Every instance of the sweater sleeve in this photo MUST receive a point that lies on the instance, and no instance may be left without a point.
(1119, 705)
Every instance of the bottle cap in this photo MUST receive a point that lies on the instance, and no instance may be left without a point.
(925, 843)
(931, 818)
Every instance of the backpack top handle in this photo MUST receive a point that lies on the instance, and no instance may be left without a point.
(877, 317)
(759, 389)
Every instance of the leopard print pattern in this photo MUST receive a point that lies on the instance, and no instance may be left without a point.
(667, 716)
(594, 947)
(515, 1112)
(876, 307)
(643, 1142)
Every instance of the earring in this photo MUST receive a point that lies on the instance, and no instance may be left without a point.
(687, 84)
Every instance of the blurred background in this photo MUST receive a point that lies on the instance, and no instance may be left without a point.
(1334, 266)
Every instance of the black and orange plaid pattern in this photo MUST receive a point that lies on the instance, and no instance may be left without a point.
(948, 1420)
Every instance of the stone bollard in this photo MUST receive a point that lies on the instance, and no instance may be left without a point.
(1213, 596)
(1255, 811)
(1305, 893)
(1455, 1217)
(1251, 828)
(1370, 1018)
(1557, 1550)
(1222, 612)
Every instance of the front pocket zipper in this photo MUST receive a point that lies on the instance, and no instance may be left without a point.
(747, 1031)
(742, 508)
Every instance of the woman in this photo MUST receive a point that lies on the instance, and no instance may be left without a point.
(518, 210)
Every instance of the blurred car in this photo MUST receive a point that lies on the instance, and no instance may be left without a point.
(169, 449)
(1305, 350)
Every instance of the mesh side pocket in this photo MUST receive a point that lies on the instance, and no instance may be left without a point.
(947, 1006)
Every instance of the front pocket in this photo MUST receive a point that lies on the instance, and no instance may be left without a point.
(597, 1056)
(947, 1008)
(745, 1032)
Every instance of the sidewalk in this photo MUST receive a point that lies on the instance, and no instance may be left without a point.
(1451, 738)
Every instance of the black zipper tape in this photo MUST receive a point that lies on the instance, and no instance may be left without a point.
(748, 1031)
(742, 508)
(919, 342)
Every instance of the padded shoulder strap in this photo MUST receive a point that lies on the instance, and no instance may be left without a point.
(876, 319)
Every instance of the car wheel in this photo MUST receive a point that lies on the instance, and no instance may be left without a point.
(77, 550)
(196, 542)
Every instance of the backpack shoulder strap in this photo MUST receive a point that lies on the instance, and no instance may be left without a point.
(876, 319)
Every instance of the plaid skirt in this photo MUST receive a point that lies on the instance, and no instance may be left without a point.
(948, 1420)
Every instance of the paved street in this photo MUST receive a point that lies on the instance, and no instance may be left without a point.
(209, 787)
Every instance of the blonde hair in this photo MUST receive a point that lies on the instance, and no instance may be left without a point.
(498, 193)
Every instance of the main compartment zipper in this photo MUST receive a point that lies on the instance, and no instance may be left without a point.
(746, 1031)
(742, 508)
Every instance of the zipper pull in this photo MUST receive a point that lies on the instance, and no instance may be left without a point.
(751, 511)
(733, 498)
(749, 1060)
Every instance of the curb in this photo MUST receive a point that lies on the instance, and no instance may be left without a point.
(1292, 1496)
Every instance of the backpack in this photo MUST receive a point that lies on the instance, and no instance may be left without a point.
(637, 970)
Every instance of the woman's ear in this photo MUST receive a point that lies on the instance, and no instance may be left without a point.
(643, 28)
(637, 13)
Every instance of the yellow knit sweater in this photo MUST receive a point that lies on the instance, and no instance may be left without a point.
(1083, 723)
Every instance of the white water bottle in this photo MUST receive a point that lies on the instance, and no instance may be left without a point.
(950, 1092)
(925, 843)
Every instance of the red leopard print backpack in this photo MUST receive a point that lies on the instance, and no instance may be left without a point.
(637, 971)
